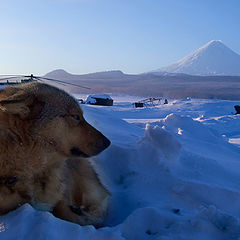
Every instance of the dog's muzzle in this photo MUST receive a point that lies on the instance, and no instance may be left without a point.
(75, 151)
(99, 147)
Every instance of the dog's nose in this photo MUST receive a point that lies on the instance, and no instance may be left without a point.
(107, 143)
(104, 143)
(75, 151)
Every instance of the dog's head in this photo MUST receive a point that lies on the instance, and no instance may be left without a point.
(40, 125)
(49, 114)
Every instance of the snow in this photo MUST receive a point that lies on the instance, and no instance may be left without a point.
(235, 140)
(172, 170)
(214, 58)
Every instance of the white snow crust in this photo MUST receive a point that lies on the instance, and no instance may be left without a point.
(172, 170)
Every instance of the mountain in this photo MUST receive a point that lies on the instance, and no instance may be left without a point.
(213, 71)
(59, 73)
(214, 58)
(150, 85)
(62, 74)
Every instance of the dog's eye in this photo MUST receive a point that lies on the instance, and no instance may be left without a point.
(75, 116)
(11, 180)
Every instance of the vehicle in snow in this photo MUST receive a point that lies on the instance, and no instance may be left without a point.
(99, 99)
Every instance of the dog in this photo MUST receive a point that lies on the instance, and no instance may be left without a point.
(45, 146)
(85, 195)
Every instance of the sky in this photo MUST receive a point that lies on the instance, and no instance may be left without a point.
(135, 36)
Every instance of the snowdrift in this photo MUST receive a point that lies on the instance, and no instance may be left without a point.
(170, 169)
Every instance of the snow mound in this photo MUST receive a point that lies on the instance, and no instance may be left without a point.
(28, 223)
(206, 223)
(163, 140)
(147, 223)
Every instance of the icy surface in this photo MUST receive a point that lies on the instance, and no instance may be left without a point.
(214, 58)
(172, 170)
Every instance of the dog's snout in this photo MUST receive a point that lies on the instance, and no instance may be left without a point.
(75, 151)
(102, 144)
(105, 143)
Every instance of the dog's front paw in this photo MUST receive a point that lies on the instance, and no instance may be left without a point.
(76, 209)
(85, 216)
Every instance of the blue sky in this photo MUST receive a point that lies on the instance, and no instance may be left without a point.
(135, 36)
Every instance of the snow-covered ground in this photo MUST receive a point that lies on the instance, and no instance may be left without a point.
(173, 172)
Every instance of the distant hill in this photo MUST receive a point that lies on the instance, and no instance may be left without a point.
(60, 73)
(214, 58)
(146, 85)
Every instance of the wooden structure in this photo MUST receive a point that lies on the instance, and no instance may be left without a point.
(148, 101)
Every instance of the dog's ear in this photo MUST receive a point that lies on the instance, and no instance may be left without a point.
(21, 103)
(18, 107)
(15, 101)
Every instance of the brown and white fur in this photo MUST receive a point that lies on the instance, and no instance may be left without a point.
(40, 128)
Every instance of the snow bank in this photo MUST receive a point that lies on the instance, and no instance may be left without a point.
(164, 141)
(206, 223)
(28, 223)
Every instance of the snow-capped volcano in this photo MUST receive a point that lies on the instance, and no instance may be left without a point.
(214, 58)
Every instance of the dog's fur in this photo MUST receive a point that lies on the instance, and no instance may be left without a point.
(40, 127)
(85, 194)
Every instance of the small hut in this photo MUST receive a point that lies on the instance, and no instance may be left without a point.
(99, 99)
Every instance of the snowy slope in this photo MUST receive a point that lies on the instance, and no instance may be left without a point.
(170, 169)
(214, 58)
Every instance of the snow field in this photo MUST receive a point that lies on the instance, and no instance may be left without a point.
(171, 170)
